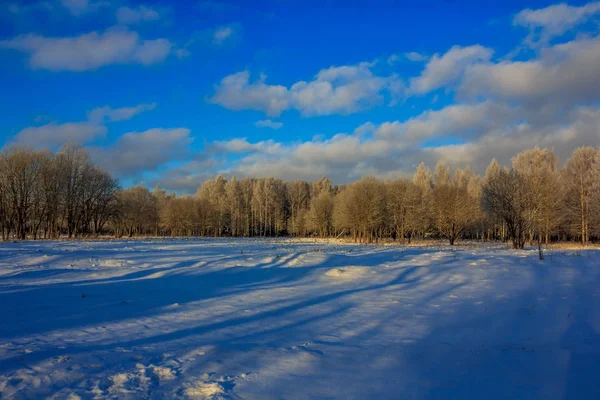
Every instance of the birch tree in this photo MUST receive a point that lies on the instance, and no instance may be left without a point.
(580, 177)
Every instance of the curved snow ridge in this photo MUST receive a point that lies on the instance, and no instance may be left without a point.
(349, 273)
(306, 260)
(112, 263)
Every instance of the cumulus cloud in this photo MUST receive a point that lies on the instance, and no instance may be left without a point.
(580, 127)
(562, 74)
(108, 114)
(136, 152)
(555, 20)
(53, 135)
(477, 132)
(462, 121)
(442, 70)
(339, 90)
(181, 180)
(335, 90)
(188, 176)
(346, 157)
(267, 123)
(241, 146)
(89, 51)
(128, 15)
(500, 108)
(236, 92)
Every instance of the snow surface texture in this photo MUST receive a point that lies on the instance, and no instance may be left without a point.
(267, 319)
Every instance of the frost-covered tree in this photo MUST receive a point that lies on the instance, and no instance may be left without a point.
(402, 205)
(321, 214)
(580, 178)
(454, 209)
(298, 193)
(424, 183)
(539, 167)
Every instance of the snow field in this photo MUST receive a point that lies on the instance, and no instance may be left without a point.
(273, 319)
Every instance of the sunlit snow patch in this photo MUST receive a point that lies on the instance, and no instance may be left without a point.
(349, 273)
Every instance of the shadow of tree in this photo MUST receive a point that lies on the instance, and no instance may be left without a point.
(397, 334)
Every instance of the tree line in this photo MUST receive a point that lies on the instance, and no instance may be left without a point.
(49, 195)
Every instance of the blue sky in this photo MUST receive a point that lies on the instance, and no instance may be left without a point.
(171, 93)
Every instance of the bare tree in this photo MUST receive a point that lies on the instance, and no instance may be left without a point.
(22, 169)
(74, 163)
(505, 196)
(98, 200)
(45, 194)
(137, 212)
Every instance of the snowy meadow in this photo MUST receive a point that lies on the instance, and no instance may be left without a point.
(282, 319)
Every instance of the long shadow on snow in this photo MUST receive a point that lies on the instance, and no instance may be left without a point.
(183, 290)
(129, 296)
(134, 291)
(543, 343)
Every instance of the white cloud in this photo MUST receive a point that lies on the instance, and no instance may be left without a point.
(550, 99)
(79, 7)
(415, 57)
(222, 33)
(579, 127)
(564, 74)
(89, 51)
(346, 157)
(237, 93)
(335, 90)
(446, 69)
(457, 120)
(128, 15)
(241, 145)
(339, 90)
(477, 132)
(136, 152)
(53, 135)
(555, 20)
(267, 123)
(480, 132)
(108, 114)
(181, 180)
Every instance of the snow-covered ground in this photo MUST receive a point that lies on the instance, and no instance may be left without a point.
(260, 319)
